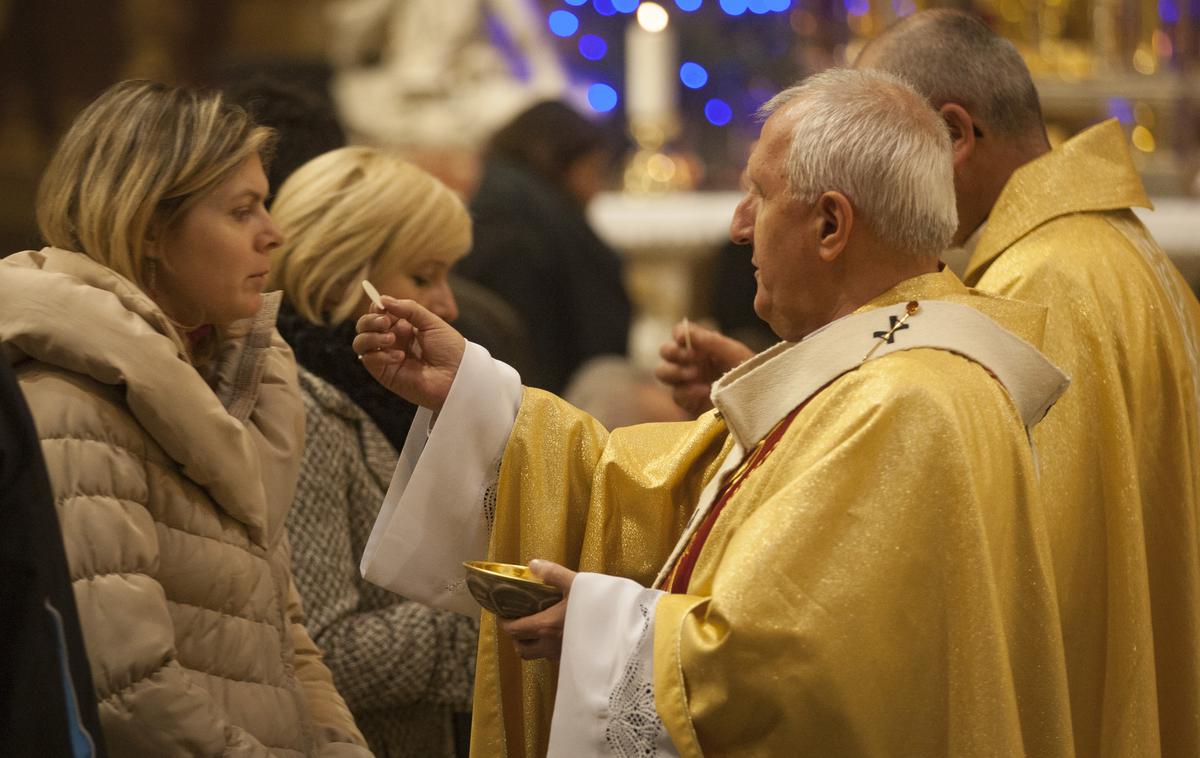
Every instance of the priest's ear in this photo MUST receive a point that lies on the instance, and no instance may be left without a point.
(836, 217)
(963, 131)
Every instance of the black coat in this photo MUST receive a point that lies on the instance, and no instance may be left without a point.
(534, 248)
(47, 702)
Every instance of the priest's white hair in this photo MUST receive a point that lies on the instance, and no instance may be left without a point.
(871, 137)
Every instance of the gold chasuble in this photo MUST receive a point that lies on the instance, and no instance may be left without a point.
(1120, 453)
(878, 585)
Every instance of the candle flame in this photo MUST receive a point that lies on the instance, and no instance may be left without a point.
(652, 17)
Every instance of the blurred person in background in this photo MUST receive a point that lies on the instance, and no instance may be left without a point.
(305, 124)
(358, 213)
(616, 393)
(171, 423)
(535, 248)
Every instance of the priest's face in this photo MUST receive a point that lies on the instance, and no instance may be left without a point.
(796, 290)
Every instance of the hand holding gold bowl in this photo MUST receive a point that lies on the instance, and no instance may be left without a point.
(508, 590)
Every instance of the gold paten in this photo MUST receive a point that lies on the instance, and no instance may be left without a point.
(508, 590)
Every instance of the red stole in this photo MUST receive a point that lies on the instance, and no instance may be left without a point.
(681, 573)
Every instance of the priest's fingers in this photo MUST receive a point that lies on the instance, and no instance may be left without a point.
(411, 311)
(694, 397)
(553, 574)
(373, 341)
(434, 342)
(672, 373)
(538, 625)
(679, 371)
(543, 648)
(377, 331)
(376, 320)
(698, 354)
(381, 352)
(539, 635)
(673, 352)
(547, 624)
(721, 352)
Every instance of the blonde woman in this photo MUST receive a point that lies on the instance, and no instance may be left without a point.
(406, 670)
(171, 425)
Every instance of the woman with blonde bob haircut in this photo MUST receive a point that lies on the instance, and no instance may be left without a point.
(362, 213)
(171, 425)
(352, 214)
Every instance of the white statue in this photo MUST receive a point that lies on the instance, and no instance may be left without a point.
(425, 73)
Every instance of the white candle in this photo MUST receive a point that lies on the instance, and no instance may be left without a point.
(651, 79)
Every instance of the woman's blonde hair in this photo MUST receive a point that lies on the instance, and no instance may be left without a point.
(133, 162)
(359, 213)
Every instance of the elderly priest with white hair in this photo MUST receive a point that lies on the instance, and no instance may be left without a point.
(848, 556)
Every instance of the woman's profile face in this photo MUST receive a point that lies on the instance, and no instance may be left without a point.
(212, 265)
(425, 281)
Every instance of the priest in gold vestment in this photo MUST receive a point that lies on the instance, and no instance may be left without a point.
(1120, 454)
(1121, 451)
(849, 558)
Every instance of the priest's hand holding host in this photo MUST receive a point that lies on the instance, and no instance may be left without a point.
(410, 351)
(424, 375)
(693, 359)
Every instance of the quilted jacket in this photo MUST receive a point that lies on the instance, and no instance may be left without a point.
(172, 490)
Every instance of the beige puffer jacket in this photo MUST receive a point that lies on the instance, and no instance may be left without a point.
(172, 501)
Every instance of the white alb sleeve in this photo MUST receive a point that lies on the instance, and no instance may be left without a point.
(432, 518)
(605, 700)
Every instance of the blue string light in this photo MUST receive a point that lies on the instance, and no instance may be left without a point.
(1168, 11)
(693, 75)
(592, 47)
(718, 112)
(602, 97)
(1121, 109)
(857, 7)
(563, 23)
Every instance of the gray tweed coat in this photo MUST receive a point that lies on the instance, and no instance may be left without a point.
(403, 668)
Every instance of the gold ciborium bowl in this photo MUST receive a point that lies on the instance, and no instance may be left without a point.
(509, 591)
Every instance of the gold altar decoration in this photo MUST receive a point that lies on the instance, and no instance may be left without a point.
(1136, 60)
